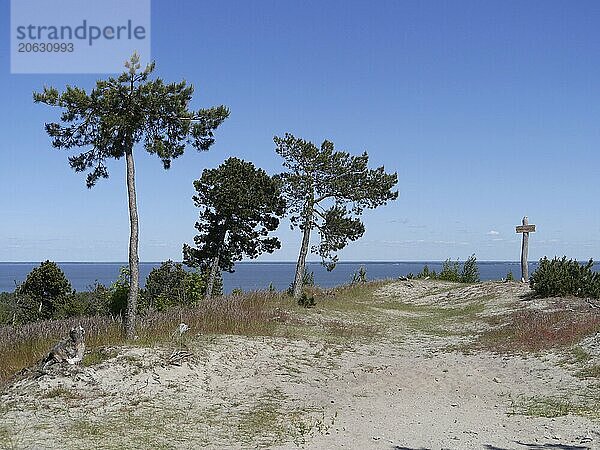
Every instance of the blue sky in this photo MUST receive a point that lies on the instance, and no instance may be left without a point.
(487, 110)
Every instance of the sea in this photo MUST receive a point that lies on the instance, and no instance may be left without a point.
(256, 275)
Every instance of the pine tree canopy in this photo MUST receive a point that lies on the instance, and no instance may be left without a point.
(328, 189)
(120, 112)
(240, 205)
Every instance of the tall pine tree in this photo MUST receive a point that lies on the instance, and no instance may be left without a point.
(328, 190)
(116, 116)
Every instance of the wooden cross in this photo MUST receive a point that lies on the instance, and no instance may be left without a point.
(525, 229)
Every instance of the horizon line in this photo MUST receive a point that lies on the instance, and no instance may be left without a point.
(294, 262)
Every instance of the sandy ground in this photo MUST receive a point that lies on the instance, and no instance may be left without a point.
(405, 389)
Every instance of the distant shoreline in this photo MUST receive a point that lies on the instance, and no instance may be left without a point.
(437, 261)
(258, 275)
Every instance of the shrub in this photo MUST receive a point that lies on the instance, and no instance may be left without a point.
(195, 285)
(509, 276)
(450, 271)
(562, 277)
(426, 273)
(308, 279)
(164, 287)
(360, 276)
(171, 285)
(470, 271)
(8, 308)
(117, 301)
(45, 294)
(306, 301)
(93, 302)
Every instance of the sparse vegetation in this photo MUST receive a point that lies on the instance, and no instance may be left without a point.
(425, 273)
(535, 330)
(555, 407)
(452, 271)
(97, 356)
(360, 276)
(306, 301)
(251, 314)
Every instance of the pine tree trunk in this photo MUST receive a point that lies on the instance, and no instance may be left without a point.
(301, 264)
(133, 249)
(212, 277)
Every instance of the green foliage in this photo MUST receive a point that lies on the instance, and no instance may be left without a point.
(450, 271)
(426, 273)
(171, 285)
(470, 271)
(165, 287)
(360, 276)
(308, 279)
(307, 301)
(509, 276)
(119, 291)
(328, 190)
(562, 277)
(453, 271)
(8, 308)
(45, 294)
(196, 282)
(113, 118)
(237, 292)
(240, 205)
(93, 302)
(120, 112)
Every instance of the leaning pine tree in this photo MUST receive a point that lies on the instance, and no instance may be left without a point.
(240, 205)
(328, 190)
(117, 115)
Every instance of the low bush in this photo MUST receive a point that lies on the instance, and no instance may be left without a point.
(119, 291)
(450, 271)
(360, 276)
(307, 301)
(453, 271)
(171, 285)
(308, 280)
(562, 277)
(426, 273)
(8, 308)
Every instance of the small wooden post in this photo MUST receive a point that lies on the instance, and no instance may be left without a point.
(525, 229)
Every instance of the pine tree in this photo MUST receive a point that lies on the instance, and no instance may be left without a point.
(117, 115)
(240, 205)
(328, 190)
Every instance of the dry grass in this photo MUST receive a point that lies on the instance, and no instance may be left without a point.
(261, 313)
(253, 314)
(535, 330)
